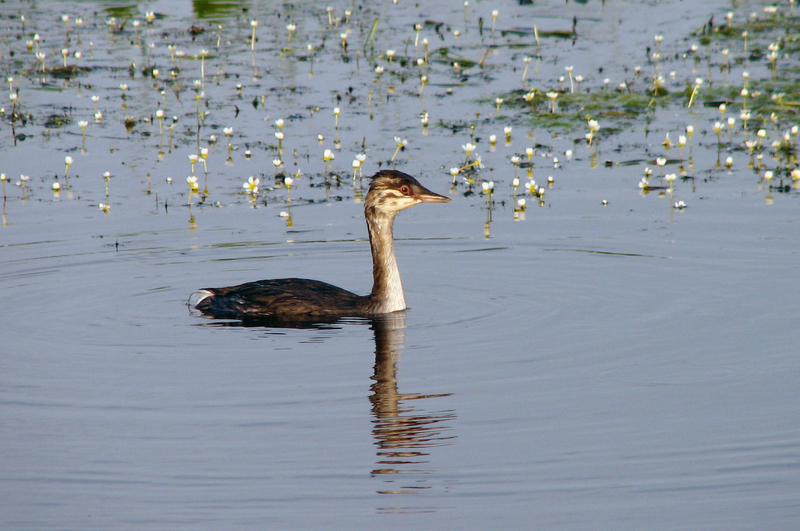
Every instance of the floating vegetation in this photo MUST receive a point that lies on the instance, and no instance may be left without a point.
(538, 107)
(339, 84)
(55, 121)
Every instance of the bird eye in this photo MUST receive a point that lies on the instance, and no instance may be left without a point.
(405, 190)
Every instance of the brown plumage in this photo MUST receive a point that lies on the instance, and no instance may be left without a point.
(390, 192)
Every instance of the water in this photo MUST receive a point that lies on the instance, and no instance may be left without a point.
(571, 366)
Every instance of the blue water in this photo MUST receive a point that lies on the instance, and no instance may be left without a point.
(573, 366)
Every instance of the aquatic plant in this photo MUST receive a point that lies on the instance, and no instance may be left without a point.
(571, 84)
(251, 185)
(358, 165)
(401, 145)
(558, 104)
(328, 156)
(670, 178)
(661, 162)
(23, 181)
(454, 171)
(253, 25)
(67, 163)
(697, 83)
(527, 61)
(83, 124)
(194, 188)
(488, 193)
(160, 118)
(287, 182)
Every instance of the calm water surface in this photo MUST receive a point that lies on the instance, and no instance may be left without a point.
(572, 366)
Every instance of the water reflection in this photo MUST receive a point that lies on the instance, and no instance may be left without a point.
(403, 433)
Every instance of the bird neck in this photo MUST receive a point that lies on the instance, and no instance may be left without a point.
(387, 291)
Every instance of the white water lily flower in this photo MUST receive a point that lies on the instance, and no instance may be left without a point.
(251, 185)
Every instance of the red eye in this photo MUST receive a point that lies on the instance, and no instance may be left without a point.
(405, 190)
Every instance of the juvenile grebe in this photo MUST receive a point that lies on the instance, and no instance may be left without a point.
(390, 192)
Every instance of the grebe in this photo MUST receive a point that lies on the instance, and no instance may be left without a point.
(289, 299)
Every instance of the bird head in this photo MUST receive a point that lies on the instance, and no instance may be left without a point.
(391, 191)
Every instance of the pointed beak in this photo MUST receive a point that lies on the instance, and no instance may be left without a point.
(426, 196)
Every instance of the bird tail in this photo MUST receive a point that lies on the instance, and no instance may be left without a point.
(197, 298)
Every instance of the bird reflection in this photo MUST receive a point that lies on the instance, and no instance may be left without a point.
(403, 434)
